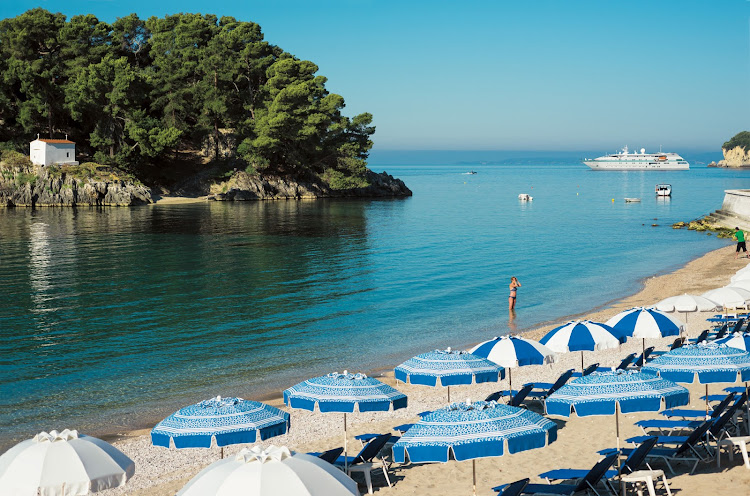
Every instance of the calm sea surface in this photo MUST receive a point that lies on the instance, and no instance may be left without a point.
(113, 318)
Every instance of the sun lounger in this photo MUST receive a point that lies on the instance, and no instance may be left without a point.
(702, 337)
(365, 461)
(586, 484)
(688, 413)
(688, 451)
(717, 430)
(591, 368)
(331, 455)
(542, 390)
(631, 464)
(515, 488)
(676, 344)
(623, 364)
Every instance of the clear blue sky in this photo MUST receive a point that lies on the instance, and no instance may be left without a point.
(500, 75)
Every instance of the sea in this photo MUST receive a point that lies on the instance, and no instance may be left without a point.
(113, 318)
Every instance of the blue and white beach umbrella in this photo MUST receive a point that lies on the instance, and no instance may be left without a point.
(642, 322)
(609, 393)
(582, 335)
(514, 351)
(228, 420)
(343, 393)
(709, 362)
(467, 431)
(602, 393)
(739, 340)
(451, 368)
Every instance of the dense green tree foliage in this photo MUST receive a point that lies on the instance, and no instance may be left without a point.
(134, 93)
(741, 139)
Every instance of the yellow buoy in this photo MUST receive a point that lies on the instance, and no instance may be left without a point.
(613, 200)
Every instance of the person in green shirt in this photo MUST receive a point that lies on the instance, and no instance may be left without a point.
(739, 235)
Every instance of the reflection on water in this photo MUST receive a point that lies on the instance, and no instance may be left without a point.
(118, 316)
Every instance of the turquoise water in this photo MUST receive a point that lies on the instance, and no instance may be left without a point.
(113, 318)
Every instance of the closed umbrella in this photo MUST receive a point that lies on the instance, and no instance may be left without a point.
(582, 335)
(728, 297)
(451, 368)
(467, 431)
(642, 322)
(343, 393)
(273, 471)
(514, 351)
(62, 464)
(227, 420)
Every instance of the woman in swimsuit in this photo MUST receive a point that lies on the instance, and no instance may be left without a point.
(512, 298)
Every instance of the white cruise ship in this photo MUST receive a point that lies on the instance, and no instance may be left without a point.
(638, 161)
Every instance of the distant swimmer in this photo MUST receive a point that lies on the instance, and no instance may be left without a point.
(514, 284)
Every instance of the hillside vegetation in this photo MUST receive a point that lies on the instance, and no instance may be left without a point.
(741, 139)
(147, 95)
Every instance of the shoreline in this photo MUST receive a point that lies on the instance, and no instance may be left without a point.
(161, 471)
(601, 313)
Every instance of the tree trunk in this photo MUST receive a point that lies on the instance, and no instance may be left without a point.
(216, 117)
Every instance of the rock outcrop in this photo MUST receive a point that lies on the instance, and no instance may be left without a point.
(736, 157)
(31, 186)
(245, 187)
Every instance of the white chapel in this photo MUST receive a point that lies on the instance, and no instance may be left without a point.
(52, 151)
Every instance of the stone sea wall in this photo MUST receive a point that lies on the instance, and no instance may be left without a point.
(735, 210)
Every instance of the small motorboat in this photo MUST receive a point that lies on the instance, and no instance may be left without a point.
(525, 197)
(663, 190)
(632, 200)
(470, 172)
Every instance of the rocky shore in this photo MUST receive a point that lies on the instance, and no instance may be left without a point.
(246, 187)
(25, 185)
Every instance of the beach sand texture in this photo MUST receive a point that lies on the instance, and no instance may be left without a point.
(160, 471)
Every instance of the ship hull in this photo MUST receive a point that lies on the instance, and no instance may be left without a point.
(613, 166)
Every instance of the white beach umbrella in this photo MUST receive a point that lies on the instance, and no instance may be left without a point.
(686, 303)
(741, 275)
(62, 464)
(728, 297)
(741, 283)
(270, 472)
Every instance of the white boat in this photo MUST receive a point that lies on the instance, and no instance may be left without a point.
(663, 190)
(525, 197)
(632, 200)
(625, 160)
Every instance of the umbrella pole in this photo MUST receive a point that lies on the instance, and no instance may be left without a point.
(707, 400)
(449, 395)
(474, 475)
(643, 349)
(617, 432)
(345, 459)
(510, 383)
(581, 362)
(747, 410)
(222, 452)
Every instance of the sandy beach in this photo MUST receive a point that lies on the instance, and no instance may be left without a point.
(161, 471)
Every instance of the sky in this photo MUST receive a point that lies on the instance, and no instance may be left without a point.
(502, 75)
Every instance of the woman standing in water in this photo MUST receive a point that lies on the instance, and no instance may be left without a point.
(512, 298)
